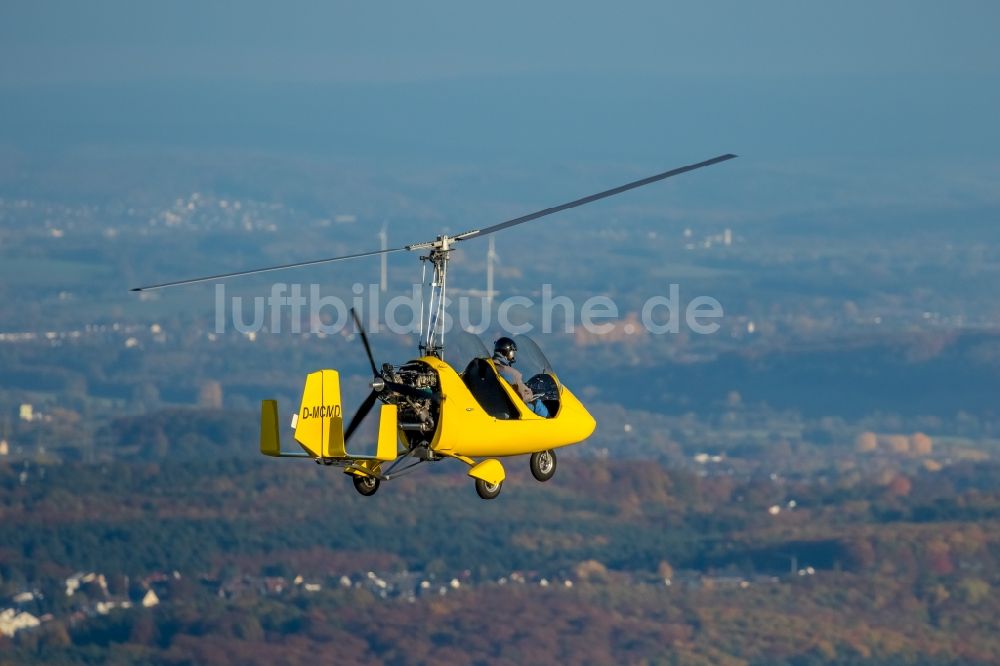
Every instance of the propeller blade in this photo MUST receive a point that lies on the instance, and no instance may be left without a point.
(364, 339)
(360, 415)
(593, 197)
(224, 276)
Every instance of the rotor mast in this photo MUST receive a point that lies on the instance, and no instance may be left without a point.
(433, 308)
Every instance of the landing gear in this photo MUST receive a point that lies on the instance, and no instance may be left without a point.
(366, 485)
(543, 465)
(486, 490)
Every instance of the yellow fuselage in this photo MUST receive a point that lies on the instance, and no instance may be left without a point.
(465, 429)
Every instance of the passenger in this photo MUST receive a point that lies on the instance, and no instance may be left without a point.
(504, 357)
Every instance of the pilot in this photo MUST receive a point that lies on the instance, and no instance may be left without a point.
(504, 356)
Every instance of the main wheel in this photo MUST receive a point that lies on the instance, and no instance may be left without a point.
(366, 485)
(488, 490)
(543, 465)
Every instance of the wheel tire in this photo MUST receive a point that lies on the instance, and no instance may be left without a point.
(366, 485)
(543, 465)
(486, 490)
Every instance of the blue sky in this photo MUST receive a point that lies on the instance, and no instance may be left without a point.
(262, 41)
(647, 82)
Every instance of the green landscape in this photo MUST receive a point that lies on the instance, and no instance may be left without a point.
(622, 560)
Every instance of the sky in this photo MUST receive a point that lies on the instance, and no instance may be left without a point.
(884, 81)
(260, 41)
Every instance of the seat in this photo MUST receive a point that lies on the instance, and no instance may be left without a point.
(483, 383)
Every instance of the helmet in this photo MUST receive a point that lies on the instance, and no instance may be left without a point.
(505, 348)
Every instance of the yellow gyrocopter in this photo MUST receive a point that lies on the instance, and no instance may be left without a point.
(437, 407)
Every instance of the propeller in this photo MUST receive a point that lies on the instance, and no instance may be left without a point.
(379, 384)
(377, 381)
(364, 341)
(474, 233)
(360, 415)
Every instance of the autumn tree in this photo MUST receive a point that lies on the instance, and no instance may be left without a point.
(866, 442)
(920, 444)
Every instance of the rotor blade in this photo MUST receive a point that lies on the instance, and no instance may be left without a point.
(223, 276)
(593, 197)
(360, 415)
(463, 236)
(364, 339)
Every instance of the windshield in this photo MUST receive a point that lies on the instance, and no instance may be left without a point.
(462, 347)
(530, 359)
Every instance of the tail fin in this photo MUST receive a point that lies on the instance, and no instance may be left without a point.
(387, 444)
(270, 440)
(319, 424)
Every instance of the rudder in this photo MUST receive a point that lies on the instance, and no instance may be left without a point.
(319, 423)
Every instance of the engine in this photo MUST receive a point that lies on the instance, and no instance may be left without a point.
(417, 416)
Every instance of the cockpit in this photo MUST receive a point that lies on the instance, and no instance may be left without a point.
(469, 355)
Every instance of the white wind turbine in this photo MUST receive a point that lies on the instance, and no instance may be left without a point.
(383, 238)
(491, 258)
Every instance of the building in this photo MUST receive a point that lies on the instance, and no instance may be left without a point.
(12, 621)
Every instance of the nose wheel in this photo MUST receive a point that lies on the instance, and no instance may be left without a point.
(366, 485)
(488, 490)
(543, 465)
